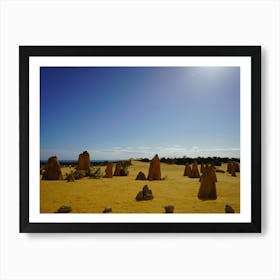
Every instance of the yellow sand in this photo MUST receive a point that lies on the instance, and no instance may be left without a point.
(93, 195)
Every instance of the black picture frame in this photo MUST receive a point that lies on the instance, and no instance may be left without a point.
(254, 52)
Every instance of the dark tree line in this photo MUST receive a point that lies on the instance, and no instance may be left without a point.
(217, 161)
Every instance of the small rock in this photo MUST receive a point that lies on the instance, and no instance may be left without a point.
(107, 209)
(169, 208)
(229, 209)
(64, 209)
(220, 171)
(109, 170)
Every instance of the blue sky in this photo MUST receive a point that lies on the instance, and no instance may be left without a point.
(124, 112)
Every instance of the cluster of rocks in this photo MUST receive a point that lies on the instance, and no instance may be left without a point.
(121, 169)
(208, 181)
(154, 171)
(233, 167)
(192, 170)
(68, 209)
(208, 178)
(195, 171)
(52, 169)
(145, 194)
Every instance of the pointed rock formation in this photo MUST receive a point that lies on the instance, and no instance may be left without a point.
(52, 170)
(194, 171)
(154, 170)
(201, 167)
(188, 170)
(229, 209)
(236, 167)
(141, 176)
(207, 190)
(117, 169)
(109, 170)
(229, 166)
(214, 173)
(83, 161)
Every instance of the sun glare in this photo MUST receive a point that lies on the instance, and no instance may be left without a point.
(212, 72)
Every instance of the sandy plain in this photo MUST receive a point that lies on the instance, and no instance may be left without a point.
(93, 195)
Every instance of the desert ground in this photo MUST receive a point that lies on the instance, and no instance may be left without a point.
(93, 195)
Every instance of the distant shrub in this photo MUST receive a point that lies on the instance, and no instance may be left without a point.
(124, 171)
(78, 174)
(88, 172)
(70, 177)
(145, 160)
(96, 173)
(217, 162)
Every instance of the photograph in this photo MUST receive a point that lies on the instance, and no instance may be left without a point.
(140, 139)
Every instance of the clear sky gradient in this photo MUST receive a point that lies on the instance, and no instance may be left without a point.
(131, 112)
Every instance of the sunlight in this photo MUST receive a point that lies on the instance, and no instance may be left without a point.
(211, 72)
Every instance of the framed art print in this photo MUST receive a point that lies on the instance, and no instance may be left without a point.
(140, 138)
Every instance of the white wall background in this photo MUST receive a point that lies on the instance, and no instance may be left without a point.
(139, 256)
